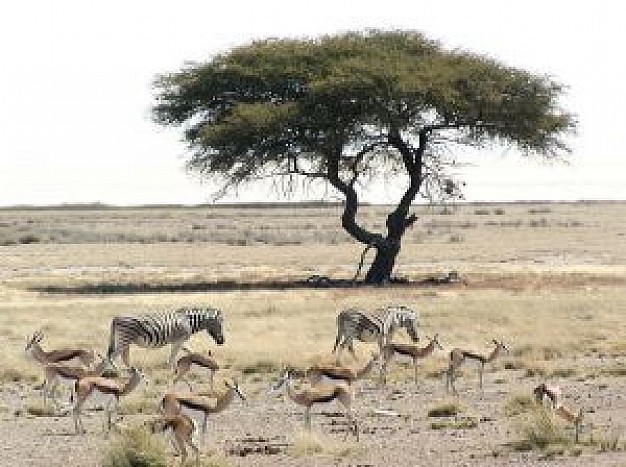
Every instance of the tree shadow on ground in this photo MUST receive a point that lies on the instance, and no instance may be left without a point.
(313, 282)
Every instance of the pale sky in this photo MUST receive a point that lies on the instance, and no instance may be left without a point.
(75, 88)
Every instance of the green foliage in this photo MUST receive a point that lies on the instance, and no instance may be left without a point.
(294, 106)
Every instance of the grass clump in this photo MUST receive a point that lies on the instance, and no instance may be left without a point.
(260, 367)
(518, 405)
(306, 444)
(606, 442)
(461, 423)
(38, 409)
(539, 430)
(446, 409)
(618, 369)
(136, 448)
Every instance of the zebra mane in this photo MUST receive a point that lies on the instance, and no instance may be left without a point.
(401, 313)
(205, 313)
(201, 318)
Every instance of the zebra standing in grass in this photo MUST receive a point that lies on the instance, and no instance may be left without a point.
(378, 326)
(159, 329)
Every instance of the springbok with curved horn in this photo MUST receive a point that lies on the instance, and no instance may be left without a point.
(317, 395)
(197, 406)
(66, 355)
(459, 356)
(190, 359)
(414, 352)
(106, 388)
(59, 373)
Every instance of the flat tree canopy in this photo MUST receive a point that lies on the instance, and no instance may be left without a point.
(348, 108)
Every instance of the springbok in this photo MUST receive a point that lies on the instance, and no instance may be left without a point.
(412, 351)
(198, 406)
(459, 356)
(65, 355)
(190, 359)
(106, 388)
(317, 395)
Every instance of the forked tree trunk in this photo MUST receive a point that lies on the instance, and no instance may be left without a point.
(387, 247)
(383, 264)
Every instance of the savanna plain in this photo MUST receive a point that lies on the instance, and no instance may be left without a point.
(546, 278)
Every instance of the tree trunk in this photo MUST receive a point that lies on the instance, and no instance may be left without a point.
(384, 261)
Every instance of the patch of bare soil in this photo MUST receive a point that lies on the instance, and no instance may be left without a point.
(395, 426)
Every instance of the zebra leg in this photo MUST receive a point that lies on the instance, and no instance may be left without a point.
(337, 341)
(482, 370)
(307, 418)
(125, 355)
(351, 349)
(174, 350)
(339, 350)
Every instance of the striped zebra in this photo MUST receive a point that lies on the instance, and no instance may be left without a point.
(378, 326)
(159, 329)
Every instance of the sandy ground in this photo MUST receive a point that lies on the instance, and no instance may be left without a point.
(267, 430)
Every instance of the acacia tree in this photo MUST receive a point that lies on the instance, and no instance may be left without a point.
(349, 108)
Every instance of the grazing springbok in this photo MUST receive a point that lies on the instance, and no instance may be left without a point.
(183, 430)
(318, 395)
(415, 353)
(459, 356)
(190, 359)
(329, 374)
(199, 407)
(107, 389)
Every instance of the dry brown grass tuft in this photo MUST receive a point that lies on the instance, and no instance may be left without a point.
(308, 444)
(137, 447)
(539, 430)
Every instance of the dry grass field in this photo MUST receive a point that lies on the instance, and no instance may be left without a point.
(548, 279)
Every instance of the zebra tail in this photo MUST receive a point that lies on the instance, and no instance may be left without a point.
(111, 349)
(337, 340)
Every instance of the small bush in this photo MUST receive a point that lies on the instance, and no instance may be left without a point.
(518, 405)
(38, 409)
(29, 238)
(306, 444)
(462, 423)
(540, 431)
(447, 409)
(260, 366)
(540, 210)
(456, 238)
(615, 370)
(136, 448)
